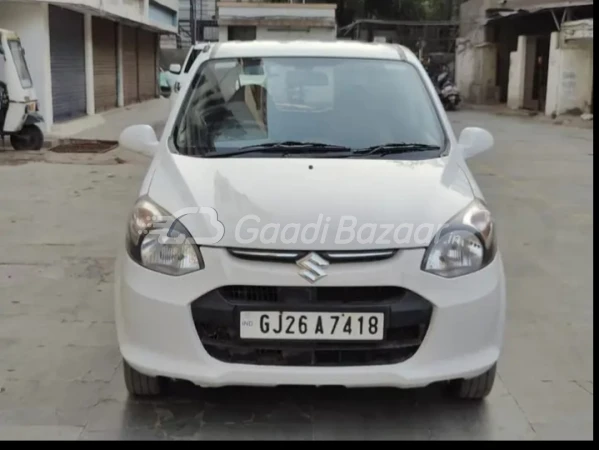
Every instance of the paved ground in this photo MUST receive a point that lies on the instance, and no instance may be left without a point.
(60, 371)
(109, 125)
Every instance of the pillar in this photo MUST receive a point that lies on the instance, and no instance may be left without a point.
(119, 67)
(516, 83)
(45, 90)
(553, 75)
(89, 65)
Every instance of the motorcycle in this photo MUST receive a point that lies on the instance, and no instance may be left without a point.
(448, 92)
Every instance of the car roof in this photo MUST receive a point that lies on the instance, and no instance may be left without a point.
(331, 49)
(199, 45)
(9, 33)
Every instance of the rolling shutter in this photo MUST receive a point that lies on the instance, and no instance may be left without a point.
(104, 34)
(130, 74)
(147, 67)
(67, 63)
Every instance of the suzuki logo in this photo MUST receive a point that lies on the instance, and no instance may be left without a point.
(312, 267)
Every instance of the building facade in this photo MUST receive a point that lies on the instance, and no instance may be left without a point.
(214, 20)
(206, 26)
(527, 54)
(294, 19)
(89, 56)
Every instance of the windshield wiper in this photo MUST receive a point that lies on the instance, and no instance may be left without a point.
(394, 148)
(284, 147)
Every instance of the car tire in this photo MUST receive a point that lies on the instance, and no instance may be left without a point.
(476, 388)
(141, 385)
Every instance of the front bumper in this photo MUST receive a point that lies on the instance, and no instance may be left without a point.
(158, 336)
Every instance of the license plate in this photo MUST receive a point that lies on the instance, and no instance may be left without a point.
(324, 326)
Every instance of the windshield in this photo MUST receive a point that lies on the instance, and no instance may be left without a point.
(19, 56)
(354, 103)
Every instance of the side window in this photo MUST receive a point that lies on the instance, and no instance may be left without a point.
(192, 57)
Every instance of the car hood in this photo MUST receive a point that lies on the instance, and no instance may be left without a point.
(310, 204)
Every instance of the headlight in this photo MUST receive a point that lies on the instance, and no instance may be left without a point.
(159, 242)
(464, 245)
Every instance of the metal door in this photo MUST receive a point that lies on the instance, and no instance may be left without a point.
(67, 63)
(130, 76)
(147, 67)
(104, 34)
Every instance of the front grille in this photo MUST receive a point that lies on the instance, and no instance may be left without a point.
(222, 343)
(291, 256)
(216, 317)
(319, 295)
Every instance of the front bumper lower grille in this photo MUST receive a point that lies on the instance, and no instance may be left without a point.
(216, 318)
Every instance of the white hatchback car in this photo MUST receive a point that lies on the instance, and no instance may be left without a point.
(287, 237)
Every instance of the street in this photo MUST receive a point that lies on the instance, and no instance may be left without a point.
(60, 368)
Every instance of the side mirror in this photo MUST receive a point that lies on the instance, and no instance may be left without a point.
(140, 139)
(175, 68)
(474, 141)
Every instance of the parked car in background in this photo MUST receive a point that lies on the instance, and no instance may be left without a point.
(180, 72)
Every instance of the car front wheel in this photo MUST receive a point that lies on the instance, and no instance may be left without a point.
(142, 385)
(476, 388)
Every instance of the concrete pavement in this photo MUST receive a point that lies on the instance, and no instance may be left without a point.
(60, 370)
(110, 124)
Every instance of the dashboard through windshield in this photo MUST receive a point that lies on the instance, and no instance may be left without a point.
(345, 102)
